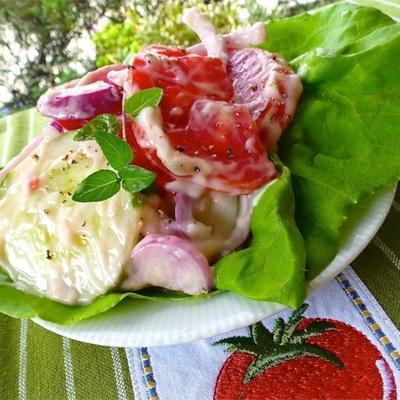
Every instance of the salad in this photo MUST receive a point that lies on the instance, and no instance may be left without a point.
(167, 176)
(199, 122)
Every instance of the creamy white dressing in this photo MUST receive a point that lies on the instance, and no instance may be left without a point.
(118, 77)
(293, 90)
(50, 245)
(185, 185)
(249, 145)
(195, 185)
(246, 37)
(176, 111)
(155, 67)
(214, 218)
(205, 111)
(206, 31)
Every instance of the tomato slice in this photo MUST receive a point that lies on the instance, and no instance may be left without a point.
(72, 124)
(226, 137)
(200, 122)
(184, 79)
(221, 135)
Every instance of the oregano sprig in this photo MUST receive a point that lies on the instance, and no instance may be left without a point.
(105, 183)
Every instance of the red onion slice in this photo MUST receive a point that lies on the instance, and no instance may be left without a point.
(169, 262)
(81, 102)
(240, 39)
(183, 211)
(206, 31)
(185, 223)
(56, 125)
(268, 87)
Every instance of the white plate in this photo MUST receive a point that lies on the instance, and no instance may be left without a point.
(145, 323)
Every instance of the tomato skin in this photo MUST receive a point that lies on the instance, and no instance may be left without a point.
(308, 378)
(72, 124)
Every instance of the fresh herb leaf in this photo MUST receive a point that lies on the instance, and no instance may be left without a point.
(140, 100)
(100, 124)
(119, 155)
(272, 267)
(135, 179)
(117, 152)
(101, 185)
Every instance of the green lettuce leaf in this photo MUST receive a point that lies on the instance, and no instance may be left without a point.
(272, 267)
(344, 143)
(19, 304)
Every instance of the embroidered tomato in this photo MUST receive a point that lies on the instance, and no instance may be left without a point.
(304, 359)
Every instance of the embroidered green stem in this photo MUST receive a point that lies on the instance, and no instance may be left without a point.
(285, 342)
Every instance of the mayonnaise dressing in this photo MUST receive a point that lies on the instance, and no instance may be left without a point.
(155, 67)
(50, 245)
(213, 220)
(101, 74)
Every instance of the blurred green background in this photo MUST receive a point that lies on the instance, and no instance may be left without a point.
(47, 42)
